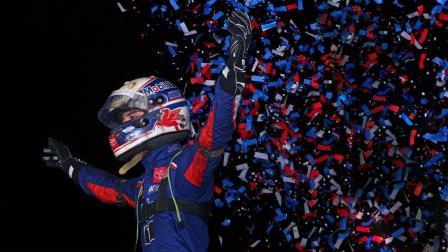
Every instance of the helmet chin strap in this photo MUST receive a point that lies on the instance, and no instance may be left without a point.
(131, 163)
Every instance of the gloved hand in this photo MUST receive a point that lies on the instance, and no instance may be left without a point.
(57, 154)
(241, 30)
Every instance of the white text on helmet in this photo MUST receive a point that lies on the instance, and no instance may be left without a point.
(154, 88)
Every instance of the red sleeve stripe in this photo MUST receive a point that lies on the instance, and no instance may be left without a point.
(195, 172)
(129, 201)
(104, 194)
(206, 135)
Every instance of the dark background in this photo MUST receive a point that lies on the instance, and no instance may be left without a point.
(68, 57)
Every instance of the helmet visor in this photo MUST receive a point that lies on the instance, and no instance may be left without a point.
(118, 103)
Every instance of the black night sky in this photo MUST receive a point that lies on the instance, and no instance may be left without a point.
(72, 55)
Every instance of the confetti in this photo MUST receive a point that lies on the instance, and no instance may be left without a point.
(330, 135)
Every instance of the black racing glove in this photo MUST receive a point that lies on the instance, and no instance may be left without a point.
(57, 154)
(241, 30)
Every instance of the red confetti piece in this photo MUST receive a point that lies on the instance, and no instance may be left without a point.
(323, 147)
(394, 108)
(363, 239)
(420, 9)
(217, 190)
(312, 203)
(291, 7)
(199, 105)
(299, 248)
(309, 215)
(338, 157)
(251, 88)
(443, 16)
(379, 98)
(377, 239)
(412, 137)
(424, 34)
(377, 109)
(363, 229)
(197, 80)
(412, 40)
(418, 189)
(322, 158)
(268, 68)
(421, 62)
(205, 69)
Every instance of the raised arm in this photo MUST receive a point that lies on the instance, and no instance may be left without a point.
(221, 121)
(95, 182)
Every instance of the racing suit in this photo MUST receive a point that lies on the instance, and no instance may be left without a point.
(193, 180)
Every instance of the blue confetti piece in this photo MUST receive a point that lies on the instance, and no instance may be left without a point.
(406, 119)
(330, 218)
(287, 235)
(247, 143)
(178, 24)
(398, 232)
(172, 51)
(280, 9)
(225, 222)
(174, 4)
(227, 183)
(207, 10)
(249, 123)
(265, 27)
(154, 8)
(210, 3)
(299, 5)
(344, 223)
(280, 218)
(267, 54)
(417, 25)
(438, 61)
(436, 137)
(257, 78)
(314, 26)
(163, 8)
(219, 203)
(269, 229)
(443, 114)
(433, 160)
(218, 15)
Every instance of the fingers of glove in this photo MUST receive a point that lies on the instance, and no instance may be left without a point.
(50, 160)
(239, 23)
(241, 18)
(59, 148)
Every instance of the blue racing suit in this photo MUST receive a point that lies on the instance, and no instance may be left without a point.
(191, 176)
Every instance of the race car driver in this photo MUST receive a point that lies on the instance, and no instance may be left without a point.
(148, 118)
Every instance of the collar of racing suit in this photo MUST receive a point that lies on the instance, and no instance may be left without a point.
(160, 154)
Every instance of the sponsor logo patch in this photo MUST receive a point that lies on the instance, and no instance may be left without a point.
(159, 172)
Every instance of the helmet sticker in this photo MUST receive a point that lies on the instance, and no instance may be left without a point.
(171, 118)
(174, 94)
(157, 87)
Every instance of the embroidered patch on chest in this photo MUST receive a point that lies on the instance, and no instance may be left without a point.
(159, 172)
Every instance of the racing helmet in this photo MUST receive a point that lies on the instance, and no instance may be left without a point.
(165, 116)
